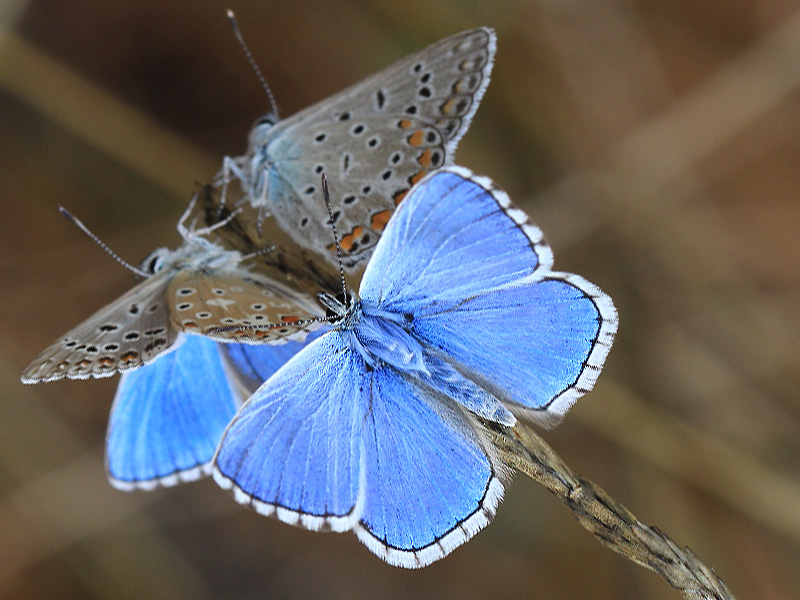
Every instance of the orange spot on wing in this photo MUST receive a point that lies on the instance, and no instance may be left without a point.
(106, 361)
(415, 139)
(348, 240)
(251, 334)
(380, 219)
(447, 107)
(405, 123)
(415, 178)
(129, 356)
(424, 159)
(290, 319)
(398, 197)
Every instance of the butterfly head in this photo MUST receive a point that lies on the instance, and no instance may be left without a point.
(156, 261)
(340, 309)
(259, 134)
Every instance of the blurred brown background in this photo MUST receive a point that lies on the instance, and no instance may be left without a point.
(656, 143)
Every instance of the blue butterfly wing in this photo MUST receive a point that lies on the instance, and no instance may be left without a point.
(168, 417)
(450, 239)
(430, 481)
(293, 451)
(475, 277)
(538, 347)
(253, 364)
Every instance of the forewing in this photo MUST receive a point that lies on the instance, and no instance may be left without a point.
(168, 417)
(456, 235)
(245, 308)
(128, 333)
(441, 84)
(293, 451)
(373, 141)
(430, 482)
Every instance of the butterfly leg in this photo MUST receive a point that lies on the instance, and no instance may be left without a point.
(231, 169)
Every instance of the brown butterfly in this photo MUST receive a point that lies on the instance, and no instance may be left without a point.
(218, 281)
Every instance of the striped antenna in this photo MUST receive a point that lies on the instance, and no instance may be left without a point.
(237, 32)
(327, 198)
(101, 243)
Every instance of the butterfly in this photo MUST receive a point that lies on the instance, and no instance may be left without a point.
(376, 426)
(196, 288)
(373, 141)
(179, 391)
(168, 416)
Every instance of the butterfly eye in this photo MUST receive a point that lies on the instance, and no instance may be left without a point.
(154, 264)
(337, 306)
(155, 261)
(266, 121)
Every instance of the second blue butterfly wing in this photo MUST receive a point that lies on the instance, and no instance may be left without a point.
(250, 365)
(168, 417)
(473, 278)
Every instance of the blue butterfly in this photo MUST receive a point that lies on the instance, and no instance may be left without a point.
(375, 426)
(168, 416)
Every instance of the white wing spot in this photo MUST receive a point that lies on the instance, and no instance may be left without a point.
(221, 302)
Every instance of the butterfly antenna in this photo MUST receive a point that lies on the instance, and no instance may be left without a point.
(101, 243)
(327, 197)
(252, 61)
(227, 329)
(260, 252)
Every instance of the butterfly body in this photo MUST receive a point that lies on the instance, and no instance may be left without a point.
(384, 340)
(377, 426)
(381, 339)
(373, 141)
